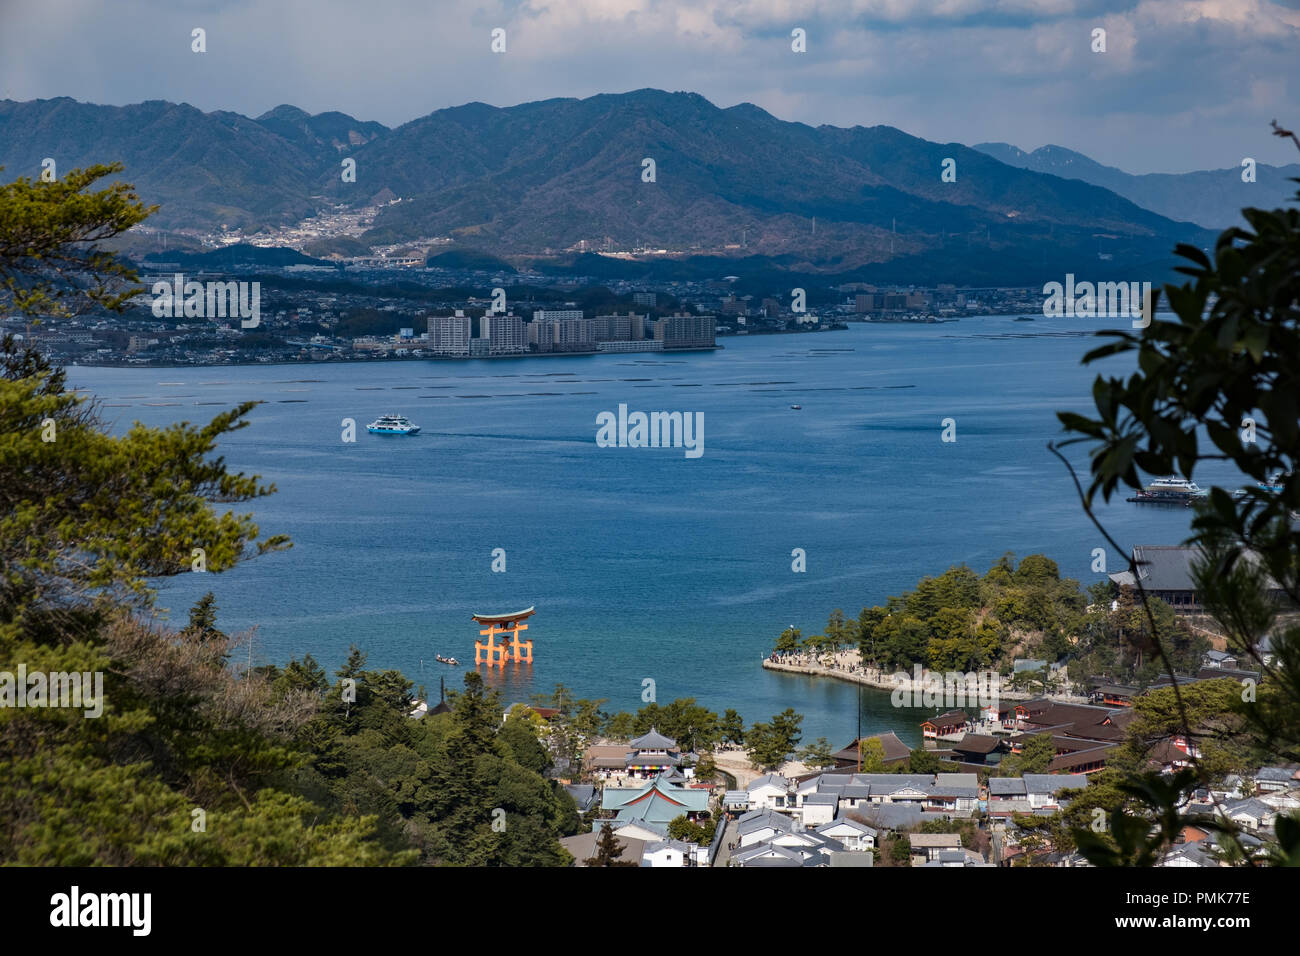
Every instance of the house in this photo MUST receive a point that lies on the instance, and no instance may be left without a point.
(895, 751)
(1189, 854)
(769, 791)
(819, 808)
(583, 794)
(852, 834)
(758, 826)
(948, 724)
(890, 816)
(1008, 795)
(1251, 813)
(956, 858)
(1219, 659)
(1043, 790)
(865, 858)
(767, 855)
(1113, 695)
(1081, 721)
(668, 853)
(1273, 779)
(635, 830)
(735, 801)
(956, 793)
(582, 846)
(980, 749)
(1166, 573)
(796, 848)
(926, 846)
(1083, 760)
(605, 760)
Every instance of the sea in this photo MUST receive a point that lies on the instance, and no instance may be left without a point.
(655, 574)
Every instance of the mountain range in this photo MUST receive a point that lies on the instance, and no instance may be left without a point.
(1212, 198)
(566, 176)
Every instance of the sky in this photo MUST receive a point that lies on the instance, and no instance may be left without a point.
(1181, 84)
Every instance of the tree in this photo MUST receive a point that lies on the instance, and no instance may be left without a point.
(900, 850)
(817, 754)
(731, 728)
(765, 747)
(88, 517)
(706, 769)
(785, 726)
(622, 726)
(50, 258)
(1035, 756)
(609, 851)
(921, 760)
(837, 631)
(872, 755)
(788, 642)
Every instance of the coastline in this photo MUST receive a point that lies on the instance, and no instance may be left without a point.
(871, 677)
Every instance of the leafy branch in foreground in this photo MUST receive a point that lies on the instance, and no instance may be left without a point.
(86, 516)
(49, 236)
(1226, 370)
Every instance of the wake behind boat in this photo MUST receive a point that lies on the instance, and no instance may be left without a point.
(392, 425)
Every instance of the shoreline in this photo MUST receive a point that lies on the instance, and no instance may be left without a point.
(872, 678)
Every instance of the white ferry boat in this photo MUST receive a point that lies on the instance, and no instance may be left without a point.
(1175, 486)
(1171, 490)
(392, 425)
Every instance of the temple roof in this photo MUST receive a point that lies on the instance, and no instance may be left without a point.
(653, 741)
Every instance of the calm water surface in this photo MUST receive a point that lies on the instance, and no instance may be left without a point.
(643, 563)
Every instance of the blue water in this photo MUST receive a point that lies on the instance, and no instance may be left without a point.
(644, 563)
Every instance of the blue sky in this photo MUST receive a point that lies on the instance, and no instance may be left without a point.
(1183, 84)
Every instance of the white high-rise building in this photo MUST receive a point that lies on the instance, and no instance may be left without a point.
(449, 334)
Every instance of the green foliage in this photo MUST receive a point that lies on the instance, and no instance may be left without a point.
(685, 721)
(1141, 828)
(1219, 381)
(1035, 757)
(50, 259)
(731, 729)
(922, 761)
(788, 642)
(609, 851)
(960, 622)
(688, 831)
(817, 754)
(769, 744)
(90, 516)
(899, 850)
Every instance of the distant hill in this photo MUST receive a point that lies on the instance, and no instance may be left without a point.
(1211, 198)
(553, 177)
(241, 256)
(553, 173)
(205, 169)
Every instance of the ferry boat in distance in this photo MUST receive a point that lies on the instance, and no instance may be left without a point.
(796, 407)
(1171, 490)
(392, 425)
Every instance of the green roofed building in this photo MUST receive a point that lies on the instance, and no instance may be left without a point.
(658, 802)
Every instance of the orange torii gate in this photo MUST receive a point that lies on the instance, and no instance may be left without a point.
(507, 626)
